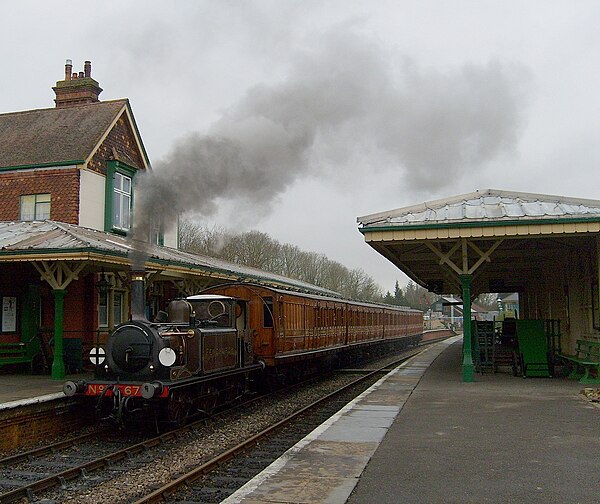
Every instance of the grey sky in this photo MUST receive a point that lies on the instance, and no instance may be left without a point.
(367, 106)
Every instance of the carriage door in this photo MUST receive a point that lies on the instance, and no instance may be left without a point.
(244, 332)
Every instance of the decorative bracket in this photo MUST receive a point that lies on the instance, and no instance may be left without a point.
(59, 274)
(463, 244)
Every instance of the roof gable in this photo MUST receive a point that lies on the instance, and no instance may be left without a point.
(485, 206)
(58, 135)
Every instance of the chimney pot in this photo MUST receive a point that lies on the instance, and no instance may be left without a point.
(74, 76)
(81, 75)
(68, 69)
(87, 68)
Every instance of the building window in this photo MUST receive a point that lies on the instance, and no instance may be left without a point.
(111, 302)
(103, 310)
(35, 207)
(122, 202)
(119, 197)
(157, 236)
(117, 307)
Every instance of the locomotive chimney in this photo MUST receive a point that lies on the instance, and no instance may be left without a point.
(138, 295)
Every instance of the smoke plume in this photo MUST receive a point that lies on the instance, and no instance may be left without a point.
(344, 99)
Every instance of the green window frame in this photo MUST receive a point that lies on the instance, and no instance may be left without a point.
(118, 197)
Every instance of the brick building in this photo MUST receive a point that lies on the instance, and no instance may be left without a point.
(67, 179)
(75, 163)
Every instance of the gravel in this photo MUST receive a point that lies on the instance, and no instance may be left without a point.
(167, 462)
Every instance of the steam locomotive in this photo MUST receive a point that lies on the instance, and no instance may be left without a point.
(217, 346)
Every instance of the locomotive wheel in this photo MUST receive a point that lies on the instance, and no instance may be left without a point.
(178, 409)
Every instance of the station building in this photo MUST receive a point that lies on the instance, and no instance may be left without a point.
(68, 181)
(545, 248)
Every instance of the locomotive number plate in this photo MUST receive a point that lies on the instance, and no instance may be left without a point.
(95, 389)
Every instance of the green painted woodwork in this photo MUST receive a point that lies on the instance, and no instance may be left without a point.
(30, 320)
(113, 167)
(468, 367)
(587, 358)
(58, 365)
(459, 225)
(533, 347)
(43, 165)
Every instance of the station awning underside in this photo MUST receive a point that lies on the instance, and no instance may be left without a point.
(48, 243)
(503, 240)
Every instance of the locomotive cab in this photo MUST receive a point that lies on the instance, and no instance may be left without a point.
(217, 311)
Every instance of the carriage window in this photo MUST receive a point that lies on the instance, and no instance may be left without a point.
(267, 312)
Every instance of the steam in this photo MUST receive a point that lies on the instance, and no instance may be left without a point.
(346, 98)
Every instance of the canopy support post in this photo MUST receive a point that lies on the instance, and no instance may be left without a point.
(468, 367)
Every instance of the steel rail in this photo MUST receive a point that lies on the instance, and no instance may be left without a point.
(103, 462)
(161, 493)
(27, 491)
(44, 450)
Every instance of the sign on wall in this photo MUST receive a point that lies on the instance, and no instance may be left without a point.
(9, 314)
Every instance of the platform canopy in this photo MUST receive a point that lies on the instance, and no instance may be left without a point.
(504, 239)
(489, 241)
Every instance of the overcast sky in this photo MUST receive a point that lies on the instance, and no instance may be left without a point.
(316, 112)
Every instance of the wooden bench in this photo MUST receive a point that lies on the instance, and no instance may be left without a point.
(587, 357)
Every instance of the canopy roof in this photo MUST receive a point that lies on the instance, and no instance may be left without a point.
(502, 238)
(486, 206)
(57, 241)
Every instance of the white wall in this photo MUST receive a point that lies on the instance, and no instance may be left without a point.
(91, 200)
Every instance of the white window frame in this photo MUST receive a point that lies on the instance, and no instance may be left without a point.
(122, 202)
(103, 309)
(111, 308)
(39, 203)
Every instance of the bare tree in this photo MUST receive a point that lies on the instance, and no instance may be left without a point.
(257, 249)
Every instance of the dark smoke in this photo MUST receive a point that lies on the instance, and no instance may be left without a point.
(346, 98)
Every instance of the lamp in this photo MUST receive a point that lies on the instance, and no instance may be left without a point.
(103, 284)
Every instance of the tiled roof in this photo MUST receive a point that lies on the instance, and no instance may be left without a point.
(55, 135)
(488, 205)
(56, 238)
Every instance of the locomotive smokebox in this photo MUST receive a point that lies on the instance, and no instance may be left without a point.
(138, 295)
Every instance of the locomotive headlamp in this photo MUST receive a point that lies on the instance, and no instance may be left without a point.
(167, 357)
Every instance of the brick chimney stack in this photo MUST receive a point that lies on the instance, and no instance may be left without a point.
(76, 89)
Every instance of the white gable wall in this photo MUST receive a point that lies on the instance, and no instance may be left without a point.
(91, 199)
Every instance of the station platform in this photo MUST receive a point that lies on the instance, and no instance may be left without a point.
(21, 389)
(421, 435)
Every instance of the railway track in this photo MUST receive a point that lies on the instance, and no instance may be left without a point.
(221, 476)
(84, 462)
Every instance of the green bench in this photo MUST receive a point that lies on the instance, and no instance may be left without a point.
(14, 353)
(587, 357)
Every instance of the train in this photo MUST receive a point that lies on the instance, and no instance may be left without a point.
(212, 348)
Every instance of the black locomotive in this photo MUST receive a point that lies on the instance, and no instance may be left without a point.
(191, 359)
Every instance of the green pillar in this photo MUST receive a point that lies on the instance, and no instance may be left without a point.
(58, 365)
(468, 368)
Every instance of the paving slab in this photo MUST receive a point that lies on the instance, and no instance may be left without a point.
(499, 440)
(325, 466)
